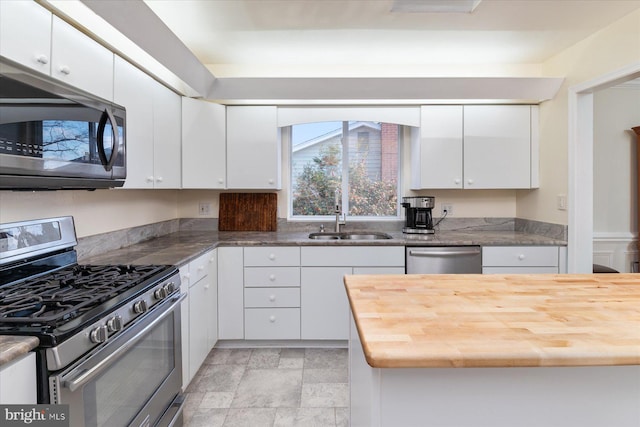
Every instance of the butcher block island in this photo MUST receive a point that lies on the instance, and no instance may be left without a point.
(495, 350)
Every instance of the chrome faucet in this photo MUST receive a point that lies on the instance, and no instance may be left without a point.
(338, 212)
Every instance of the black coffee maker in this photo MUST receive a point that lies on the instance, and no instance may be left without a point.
(418, 218)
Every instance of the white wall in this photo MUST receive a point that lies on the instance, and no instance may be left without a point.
(605, 51)
(94, 212)
(616, 111)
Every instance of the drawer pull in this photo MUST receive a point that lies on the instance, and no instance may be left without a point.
(521, 257)
(272, 319)
(65, 70)
(42, 59)
(272, 256)
(272, 298)
(272, 277)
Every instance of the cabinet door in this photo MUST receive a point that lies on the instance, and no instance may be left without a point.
(184, 325)
(167, 124)
(198, 323)
(18, 381)
(497, 146)
(436, 154)
(230, 294)
(212, 300)
(80, 61)
(203, 144)
(133, 90)
(324, 306)
(25, 32)
(253, 148)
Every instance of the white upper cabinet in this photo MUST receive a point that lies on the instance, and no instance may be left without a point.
(203, 144)
(436, 148)
(476, 146)
(167, 136)
(80, 61)
(25, 34)
(31, 36)
(133, 90)
(497, 146)
(153, 128)
(253, 148)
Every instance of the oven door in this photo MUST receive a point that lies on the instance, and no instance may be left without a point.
(134, 380)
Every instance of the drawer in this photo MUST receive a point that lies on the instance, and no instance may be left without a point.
(272, 323)
(271, 276)
(519, 270)
(199, 267)
(271, 297)
(271, 256)
(520, 256)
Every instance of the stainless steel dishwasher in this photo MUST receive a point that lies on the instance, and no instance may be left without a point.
(443, 259)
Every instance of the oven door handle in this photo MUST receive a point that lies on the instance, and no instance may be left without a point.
(89, 374)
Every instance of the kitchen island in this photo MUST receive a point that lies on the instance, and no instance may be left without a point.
(495, 350)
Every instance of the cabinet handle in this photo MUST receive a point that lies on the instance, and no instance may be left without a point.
(456, 181)
(42, 59)
(220, 181)
(211, 260)
(272, 277)
(521, 257)
(272, 319)
(150, 178)
(64, 69)
(159, 179)
(470, 181)
(271, 181)
(200, 268)
(206, 286)
(187, 275)
(272, 298)
(272, 256)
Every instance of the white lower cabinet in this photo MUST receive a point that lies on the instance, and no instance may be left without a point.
(199, 312)
(230, 293)
(18, 381)
(324, 308)
(523, 259)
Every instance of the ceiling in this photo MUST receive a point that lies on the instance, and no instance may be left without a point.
(319, 35)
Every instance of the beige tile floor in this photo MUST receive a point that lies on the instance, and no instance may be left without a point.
(270, 387)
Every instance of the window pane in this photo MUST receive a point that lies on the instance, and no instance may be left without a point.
(316, 167)
(373, 169)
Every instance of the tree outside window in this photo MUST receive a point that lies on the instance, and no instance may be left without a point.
(359, 159)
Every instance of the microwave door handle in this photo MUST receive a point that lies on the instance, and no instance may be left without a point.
(89, 374)
(108, 115)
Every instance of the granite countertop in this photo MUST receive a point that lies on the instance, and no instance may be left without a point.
(180, 247)
(13, 347)
(419, 321)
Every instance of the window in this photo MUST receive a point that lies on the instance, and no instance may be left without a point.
(356, 163)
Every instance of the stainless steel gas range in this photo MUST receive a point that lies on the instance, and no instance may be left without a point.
(110, 340)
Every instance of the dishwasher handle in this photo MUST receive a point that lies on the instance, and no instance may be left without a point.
(441, 253)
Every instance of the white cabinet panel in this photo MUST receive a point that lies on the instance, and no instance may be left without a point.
(272, 323)
(203, 144)
(271, 297)
(167, 136)
(230, 294)
(436, 149)
(520, 259)
(80, 61)
(253, 148)
(18, 381)
(324, 304)
(271, 276)
(270, 256)
(497, 146)
(353, 256)
(25, 34)
(133, 90)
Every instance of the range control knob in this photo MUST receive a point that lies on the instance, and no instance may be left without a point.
(99, 334)
(114, 324)
(160, 293)
(140, 307)
(169, 288)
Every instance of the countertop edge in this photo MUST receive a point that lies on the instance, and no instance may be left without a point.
(14, 347)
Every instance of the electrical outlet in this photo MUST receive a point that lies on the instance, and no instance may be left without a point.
(446, 207)
(204, 209)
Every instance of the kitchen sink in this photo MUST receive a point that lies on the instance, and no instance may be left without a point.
(352, 235)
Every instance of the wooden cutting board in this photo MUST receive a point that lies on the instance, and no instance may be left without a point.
(248, 212)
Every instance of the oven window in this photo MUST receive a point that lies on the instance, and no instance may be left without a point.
(116, 397)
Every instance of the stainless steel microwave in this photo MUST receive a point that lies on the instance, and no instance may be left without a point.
(53, 136)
